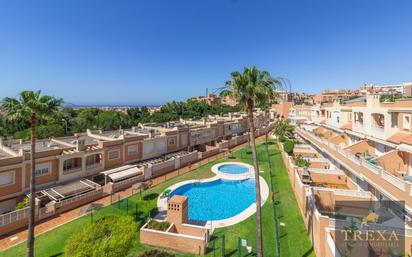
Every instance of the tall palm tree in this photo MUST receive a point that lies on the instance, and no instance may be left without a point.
(252, 88)
(30, 106)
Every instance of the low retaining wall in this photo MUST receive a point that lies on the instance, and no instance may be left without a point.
(162, 168)
(115, 187)
(174, 241)
(188, 158)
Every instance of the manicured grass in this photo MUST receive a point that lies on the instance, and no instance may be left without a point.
(293, 236)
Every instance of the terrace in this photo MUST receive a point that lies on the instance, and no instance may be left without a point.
(66, 191)
(382, 180)
(363, 149)
(41, 145)
(395, 162)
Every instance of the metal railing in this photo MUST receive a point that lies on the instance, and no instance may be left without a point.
(78, 198)
(14, 216)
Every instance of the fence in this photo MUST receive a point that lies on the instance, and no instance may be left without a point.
(14, 216)
(371, 167)
(78, 198)
(394, 180)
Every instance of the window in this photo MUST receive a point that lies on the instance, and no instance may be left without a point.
(394, 119)
(6, 178)
(171, 141)
(69, 164)
(114, 154)
(359, 117)
(132, 149)
(407, 122)
(42, 169)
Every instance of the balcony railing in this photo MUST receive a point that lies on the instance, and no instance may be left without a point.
(72, 170)
(402, 185)
(94, 165)
(371, 167)
(14, 216)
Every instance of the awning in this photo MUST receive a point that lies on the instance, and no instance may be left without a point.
(125, 173)
(383, 142)
(405, 148)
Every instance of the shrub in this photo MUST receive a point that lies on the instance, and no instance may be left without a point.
(301, 162)
(288, 146)
(156, 253)
(156, 225)
(110, 236)
(282, 138)
(23, 204)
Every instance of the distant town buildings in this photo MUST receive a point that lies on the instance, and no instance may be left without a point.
(395, 90)
(213, 99)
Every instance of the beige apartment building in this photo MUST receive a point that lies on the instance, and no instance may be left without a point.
(73, 170)
(366, 141)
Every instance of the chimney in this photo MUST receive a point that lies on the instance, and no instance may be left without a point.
(80, 145)
(152, 133)
(177, 211)
(372, 100)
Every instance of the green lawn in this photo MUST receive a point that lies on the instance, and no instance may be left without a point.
(293, 235)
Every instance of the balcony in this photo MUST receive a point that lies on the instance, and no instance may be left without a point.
(362, 149)
(72, 165)
(395, 162)
(93, 166)
(384, 181)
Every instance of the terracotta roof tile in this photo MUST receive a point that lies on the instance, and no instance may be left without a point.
(401, 138)
(178, 199)
(347, 126)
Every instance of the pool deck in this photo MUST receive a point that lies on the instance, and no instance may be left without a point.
(264, 190)
(231, 176)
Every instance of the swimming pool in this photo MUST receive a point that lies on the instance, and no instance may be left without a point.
(218, 199)
(233, 168)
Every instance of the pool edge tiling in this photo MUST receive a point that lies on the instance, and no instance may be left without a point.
(233, 176)
(246, 213)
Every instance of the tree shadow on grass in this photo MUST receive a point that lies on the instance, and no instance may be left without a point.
(57, 254)
(308, 252)
(270, 143)
(150, 197)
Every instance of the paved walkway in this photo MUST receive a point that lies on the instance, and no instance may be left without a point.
(43, 226)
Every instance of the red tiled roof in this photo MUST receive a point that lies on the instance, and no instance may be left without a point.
(347, 126)
(401, 138)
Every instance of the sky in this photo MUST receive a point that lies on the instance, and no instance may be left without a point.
(151, 52)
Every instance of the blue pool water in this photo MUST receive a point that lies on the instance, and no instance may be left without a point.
(219, 199)
(233, 168)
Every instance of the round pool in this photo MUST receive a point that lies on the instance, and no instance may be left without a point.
(218, 199)
(233, 168)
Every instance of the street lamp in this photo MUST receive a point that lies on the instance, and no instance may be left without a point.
(65, 126)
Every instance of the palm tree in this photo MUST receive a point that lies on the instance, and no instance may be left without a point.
(252, 88)
(30, 106)
(283, 129)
